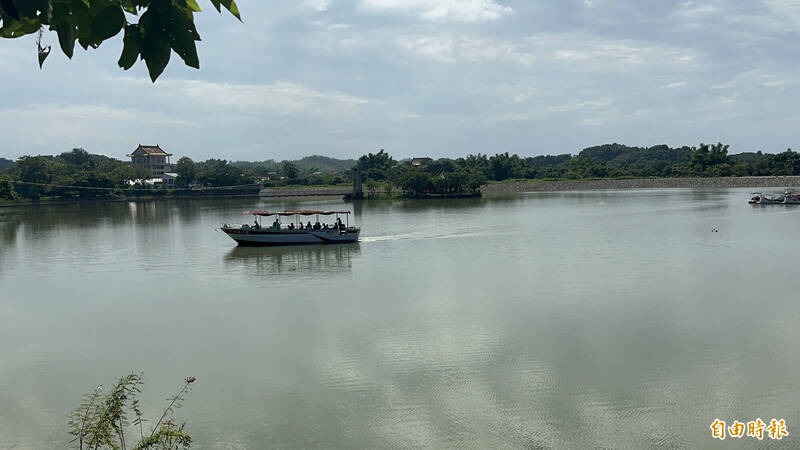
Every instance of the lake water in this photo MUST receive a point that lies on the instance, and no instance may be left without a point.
(562, 320)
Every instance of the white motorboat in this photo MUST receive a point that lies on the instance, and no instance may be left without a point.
(294, 232)
(789, 197)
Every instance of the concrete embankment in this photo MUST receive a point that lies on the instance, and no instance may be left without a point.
(305, 191)
(642, 183)
(314, 191)
(571, 185)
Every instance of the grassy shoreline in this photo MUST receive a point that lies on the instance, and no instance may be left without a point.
(491, 188)
(641, 183)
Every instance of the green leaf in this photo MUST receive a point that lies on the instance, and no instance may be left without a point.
(23, 27)
(216, 4)
(83, 20)
(44, 52)
(10, 8)
(155, 46)
(106, 24)
(183, 36)
(66, 39)
(130, 47)
(130, 7)
(158, 59)
(60, 13)
(231, 6)
(193, 6)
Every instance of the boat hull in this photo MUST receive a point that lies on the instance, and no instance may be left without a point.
(253, 238)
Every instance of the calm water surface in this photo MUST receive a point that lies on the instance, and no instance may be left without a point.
(565, 320)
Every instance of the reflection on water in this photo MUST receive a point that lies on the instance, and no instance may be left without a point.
(8, 233)
(613, 319)
(293, 262)
(8, 241)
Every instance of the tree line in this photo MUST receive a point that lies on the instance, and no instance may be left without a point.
(78, 173)
(461, 175)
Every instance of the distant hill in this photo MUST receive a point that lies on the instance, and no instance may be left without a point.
(548, 160)
(5, 163)
(324, 163)
(623, 154)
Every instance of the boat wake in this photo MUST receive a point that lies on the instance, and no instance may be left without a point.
(421, 236)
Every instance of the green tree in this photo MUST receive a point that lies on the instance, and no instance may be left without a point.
(187, 171)
(375, 165)
(705, 156)
(7, 191)
(785, 163)
(477, 162)
(217, 172)
(585, 167)
(502, 166)
(289, 170)
(34, 169)
(77, 157)
(415, 182)
(475, 180)
(164, 26)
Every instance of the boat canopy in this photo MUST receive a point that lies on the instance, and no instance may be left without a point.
(301, 212)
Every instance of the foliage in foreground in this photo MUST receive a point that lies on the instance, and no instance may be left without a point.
(163, 26)
(114, 420)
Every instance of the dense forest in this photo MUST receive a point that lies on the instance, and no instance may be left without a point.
(78, 173)
(606, 161)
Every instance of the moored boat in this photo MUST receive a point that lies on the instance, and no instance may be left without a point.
(294, 232)
(789, 197)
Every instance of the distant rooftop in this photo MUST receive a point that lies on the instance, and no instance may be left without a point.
(150, 150)
(420, 161)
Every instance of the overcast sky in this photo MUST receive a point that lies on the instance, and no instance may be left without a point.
(440, 78)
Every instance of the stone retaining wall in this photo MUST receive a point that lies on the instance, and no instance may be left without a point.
(305, 191)
(316, 191)
(576, 185)
(643, 183)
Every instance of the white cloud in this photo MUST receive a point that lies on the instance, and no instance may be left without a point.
(73, 124)
(676, 84)
(279, 98)
(585, 105)
(566, 48)
(405, 116)
(317, 5)
(695, 9)
(778, 83)
(522, 97)
(451, 49)
(444, 10)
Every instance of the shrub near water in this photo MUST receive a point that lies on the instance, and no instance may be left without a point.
(114, 420)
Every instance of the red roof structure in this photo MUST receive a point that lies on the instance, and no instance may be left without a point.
(150, 150)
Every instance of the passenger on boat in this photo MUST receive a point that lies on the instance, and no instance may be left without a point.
(256, 225)
(309, 227)
(317, 226)
(276, 224)
(325, 226)
(291, 226)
